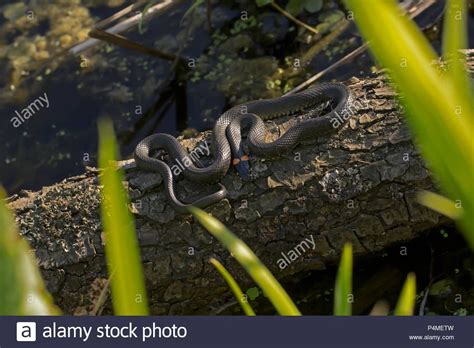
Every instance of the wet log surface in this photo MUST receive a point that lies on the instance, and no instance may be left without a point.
(357, 184)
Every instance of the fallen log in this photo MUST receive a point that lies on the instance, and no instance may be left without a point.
(355, 185)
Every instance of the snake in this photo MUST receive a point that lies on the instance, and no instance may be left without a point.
(227, 146)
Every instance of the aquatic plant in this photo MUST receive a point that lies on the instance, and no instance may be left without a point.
(148, 5)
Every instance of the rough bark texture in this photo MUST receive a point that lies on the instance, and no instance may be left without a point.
(356, 185)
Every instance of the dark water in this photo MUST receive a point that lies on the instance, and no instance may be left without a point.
(58, 141)
(141, 94)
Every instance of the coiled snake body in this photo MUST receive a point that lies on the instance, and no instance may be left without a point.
(227, 141)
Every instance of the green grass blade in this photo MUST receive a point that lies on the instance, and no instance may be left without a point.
(121, 246)
(239, 295)
(195, 5)
(251, 263)
(406, 301)
(438, 113)
(261, 3)
(440, 204)
(22, 291)
(455, 38)
(343, 289)
(148, 5)
(455, 27)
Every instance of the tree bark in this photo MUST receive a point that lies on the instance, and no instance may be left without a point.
(355, 185)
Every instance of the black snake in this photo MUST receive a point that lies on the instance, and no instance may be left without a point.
(227, 140)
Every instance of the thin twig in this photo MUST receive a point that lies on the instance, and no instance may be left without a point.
(317, 76)
(421, 310)
(123, 12)
(209, 13)
(125, 25)
(99, 305)
(292, 18)
(122, 41)
(225, 306)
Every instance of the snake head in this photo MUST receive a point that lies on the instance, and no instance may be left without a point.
(242, 166)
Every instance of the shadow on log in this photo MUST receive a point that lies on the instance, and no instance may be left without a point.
(356, 185)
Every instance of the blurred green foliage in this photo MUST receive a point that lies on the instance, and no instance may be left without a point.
(406, 302)
(121, 245)
(22, 291)
(343, 296)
